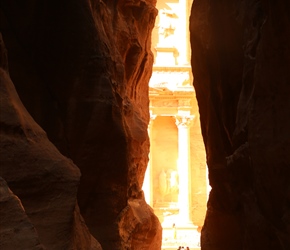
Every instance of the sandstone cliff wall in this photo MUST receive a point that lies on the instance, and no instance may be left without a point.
(241, 62)
(81, 69)
(38, 202)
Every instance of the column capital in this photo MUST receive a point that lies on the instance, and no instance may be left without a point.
(183, 121)
(152, 117)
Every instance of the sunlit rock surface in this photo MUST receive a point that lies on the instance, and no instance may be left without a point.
(241, 62)
(139, 227)
(81, 68)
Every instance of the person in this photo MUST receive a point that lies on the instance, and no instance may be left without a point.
(174, 231)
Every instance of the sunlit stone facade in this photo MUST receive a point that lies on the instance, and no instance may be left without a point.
(175, 184)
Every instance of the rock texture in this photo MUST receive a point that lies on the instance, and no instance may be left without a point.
(241, 62)
(81, 68)
(138, 227)
(16, 230)
(45, 181)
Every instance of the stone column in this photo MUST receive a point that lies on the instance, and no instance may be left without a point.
(148, 182)
(183, 31)
(183, 124)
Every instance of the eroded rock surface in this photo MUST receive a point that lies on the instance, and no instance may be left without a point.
(45, 181)
(81, 69)
(241, 62)
(139, 227)
(16, 230)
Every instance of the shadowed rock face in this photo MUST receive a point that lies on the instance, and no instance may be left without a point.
(45, 182)
(16, 231)
(241, 62)
(81, 69)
